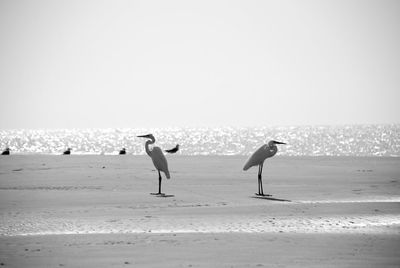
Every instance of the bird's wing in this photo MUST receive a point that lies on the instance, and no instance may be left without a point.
(256, 158)
(159, 161)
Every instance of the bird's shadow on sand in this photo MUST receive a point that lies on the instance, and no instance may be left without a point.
(271, 198)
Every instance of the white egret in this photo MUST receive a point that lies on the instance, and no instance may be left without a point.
(158, 158)
(258, 158)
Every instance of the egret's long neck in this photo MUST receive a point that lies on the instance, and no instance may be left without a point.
(146, 146)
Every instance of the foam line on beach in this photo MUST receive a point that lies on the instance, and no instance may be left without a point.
(386, 200)
(387, 224)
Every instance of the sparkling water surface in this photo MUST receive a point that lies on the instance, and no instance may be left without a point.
(348, 140)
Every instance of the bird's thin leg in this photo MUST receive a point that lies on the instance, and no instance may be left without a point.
(159, 182)
(259, 179)
(261, 168)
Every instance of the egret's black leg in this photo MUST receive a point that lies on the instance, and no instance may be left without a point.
(259, 179)
(159, 182)
(261, 168)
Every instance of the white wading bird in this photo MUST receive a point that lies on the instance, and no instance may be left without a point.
(159, 160)
(258, 158)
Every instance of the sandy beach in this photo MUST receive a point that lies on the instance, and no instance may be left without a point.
(96, 211)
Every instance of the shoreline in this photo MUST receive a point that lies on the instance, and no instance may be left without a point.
(300, 218)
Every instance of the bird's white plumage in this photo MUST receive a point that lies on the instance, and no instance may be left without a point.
(159, 161)
(259, 156)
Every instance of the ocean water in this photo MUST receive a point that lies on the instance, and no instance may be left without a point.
(346, 140)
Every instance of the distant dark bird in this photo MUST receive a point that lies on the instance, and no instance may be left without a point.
(173, 150)
(68, 151)
(258, 158)
(6, 151)
(123, 151)
(158, 158)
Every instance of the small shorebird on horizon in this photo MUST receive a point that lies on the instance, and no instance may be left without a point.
(6, 151)
(173, 150)
(68, 151)
(123, 151)
(258, 158)
(159, 161)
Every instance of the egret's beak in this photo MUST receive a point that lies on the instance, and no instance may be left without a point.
(278, 142)
(144, 136)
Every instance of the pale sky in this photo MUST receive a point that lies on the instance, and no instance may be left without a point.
(101, 64)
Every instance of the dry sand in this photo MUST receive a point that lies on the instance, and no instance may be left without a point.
(96, 211)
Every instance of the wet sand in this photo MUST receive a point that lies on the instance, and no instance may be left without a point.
(96, 211)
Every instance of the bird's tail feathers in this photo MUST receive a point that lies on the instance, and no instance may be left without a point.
(247, 166)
